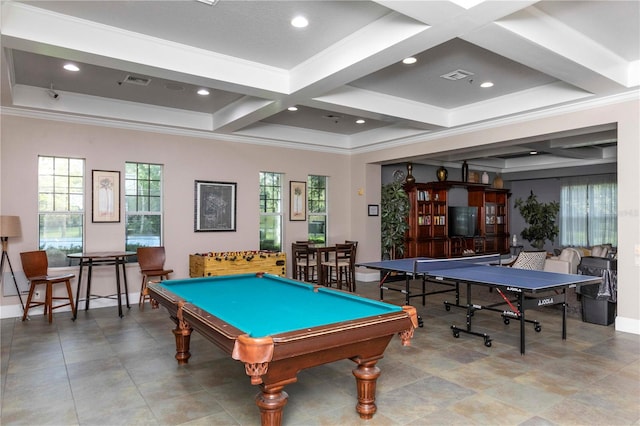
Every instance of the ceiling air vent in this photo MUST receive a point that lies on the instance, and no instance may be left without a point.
(134, 79)
(457, 75)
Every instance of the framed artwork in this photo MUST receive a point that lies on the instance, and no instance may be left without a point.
(215, 206)
(105, 196)
(297, 200)
(373, 210)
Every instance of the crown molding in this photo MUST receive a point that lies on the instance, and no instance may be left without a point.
(633, 95)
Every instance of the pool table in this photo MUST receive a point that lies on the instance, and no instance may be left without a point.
(278, 326)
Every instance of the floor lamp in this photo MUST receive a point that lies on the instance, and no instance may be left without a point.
(9, 227)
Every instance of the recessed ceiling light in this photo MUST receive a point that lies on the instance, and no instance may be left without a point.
(533, 152)
(486, 84)
(360, 121)
(299, 22)
(208, 2)
(410, 60)
(292, 108)
(203, 92)
(71, 67)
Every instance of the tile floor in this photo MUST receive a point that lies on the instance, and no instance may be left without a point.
(103, 370)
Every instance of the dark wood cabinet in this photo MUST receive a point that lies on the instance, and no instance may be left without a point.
(428, 234)
(493, 206)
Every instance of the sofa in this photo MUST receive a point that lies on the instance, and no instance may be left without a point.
(603, 250)
(565, 263)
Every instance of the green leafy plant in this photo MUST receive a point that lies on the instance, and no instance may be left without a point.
(394, 209)
(541, 218)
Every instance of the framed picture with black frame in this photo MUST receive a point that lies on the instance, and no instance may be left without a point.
(373, 210)
(215, 206)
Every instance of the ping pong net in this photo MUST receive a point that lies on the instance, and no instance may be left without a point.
(432, 265)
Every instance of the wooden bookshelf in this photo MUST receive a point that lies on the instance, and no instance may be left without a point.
(428, 234)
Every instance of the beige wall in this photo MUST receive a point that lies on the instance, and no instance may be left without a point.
(185, 159)
(354, 183)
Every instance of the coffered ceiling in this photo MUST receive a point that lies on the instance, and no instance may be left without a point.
(142, 62)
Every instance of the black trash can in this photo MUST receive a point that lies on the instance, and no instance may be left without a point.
(599, 300)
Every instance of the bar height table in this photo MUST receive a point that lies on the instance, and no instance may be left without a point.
(102, 258)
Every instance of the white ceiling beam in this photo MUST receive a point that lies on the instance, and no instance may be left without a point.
(40, 31)
(359, 99)
(85, 105)
(540, 42)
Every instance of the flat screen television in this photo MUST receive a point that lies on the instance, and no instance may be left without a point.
(463, 221)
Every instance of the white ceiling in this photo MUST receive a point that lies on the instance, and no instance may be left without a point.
(344, 66)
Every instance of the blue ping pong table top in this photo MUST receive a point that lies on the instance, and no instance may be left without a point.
(479, 270)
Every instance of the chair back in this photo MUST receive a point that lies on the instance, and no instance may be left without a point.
(533, 260)
(300, 253)
(151, 258)
(345, 251)
(34, 263)
(355, 248)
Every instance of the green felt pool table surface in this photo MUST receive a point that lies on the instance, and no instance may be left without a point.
(268, 305)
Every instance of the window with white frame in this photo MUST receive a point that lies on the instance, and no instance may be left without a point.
(143, 205)
(317, 205)
(588, 211)
(60, 207)
(271, 211)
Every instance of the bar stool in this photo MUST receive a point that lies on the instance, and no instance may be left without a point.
(303, 267)
(345, 267)
(36, 266)
(151, 261)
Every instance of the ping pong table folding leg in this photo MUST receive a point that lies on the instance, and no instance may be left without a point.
(516, 311)
(470, 309)
(406, 291)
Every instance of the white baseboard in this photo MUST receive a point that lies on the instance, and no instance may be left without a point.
(627, 325)
(368, 276)
(15, 311)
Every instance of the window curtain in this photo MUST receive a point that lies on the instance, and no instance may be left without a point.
(588, 211)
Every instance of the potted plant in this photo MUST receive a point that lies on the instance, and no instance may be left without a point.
(541, 218)
(394, 209)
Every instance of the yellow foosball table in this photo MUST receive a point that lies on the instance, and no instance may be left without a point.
(237, 262)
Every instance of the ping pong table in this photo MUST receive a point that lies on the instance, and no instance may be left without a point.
(520, 289)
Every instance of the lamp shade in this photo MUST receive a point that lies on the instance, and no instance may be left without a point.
(10, 226)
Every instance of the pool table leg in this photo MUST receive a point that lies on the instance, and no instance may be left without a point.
(182, 333)
(271, 401)
(366, 376)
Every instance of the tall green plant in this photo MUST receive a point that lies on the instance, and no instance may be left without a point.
(541, 218)
(394, 214)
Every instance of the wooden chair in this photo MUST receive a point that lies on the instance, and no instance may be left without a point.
(151, 261)
(36, 266)
(326, 262)
(346, 267)
(334, 266)
(353, 260)
(304, 268)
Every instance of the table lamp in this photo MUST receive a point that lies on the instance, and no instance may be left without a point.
(9, 227)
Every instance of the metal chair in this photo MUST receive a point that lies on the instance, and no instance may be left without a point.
(36, 265)
(151, 261)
